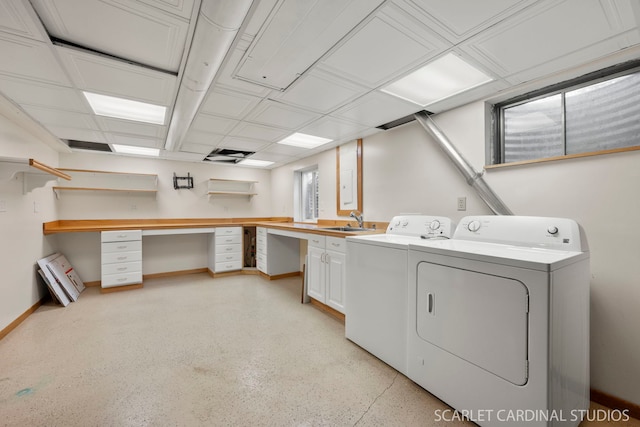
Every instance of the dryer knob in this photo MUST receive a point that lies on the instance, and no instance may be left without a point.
(552, 230)
(405, 222)
(435, 224)
(474, 226)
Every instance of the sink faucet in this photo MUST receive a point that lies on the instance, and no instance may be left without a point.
(358, 217)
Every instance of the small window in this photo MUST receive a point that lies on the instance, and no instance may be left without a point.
(588, 117)
(306, 197)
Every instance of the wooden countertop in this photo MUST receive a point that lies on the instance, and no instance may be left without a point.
(282, 223)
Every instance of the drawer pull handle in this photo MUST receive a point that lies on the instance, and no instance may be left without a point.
(122, 269)
(336, 244)
(122, 247)
(122, 235)
(120, 258)
(229, 257)
(123, 279)
(228, 249)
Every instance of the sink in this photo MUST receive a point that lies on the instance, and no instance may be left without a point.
(350, 229)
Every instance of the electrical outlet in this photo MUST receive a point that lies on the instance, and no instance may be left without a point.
(462, 203)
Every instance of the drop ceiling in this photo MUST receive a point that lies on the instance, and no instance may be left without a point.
(314, 67)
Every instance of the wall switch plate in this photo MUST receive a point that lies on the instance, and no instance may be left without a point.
(36, 207)
(3, 205)
(462, 203)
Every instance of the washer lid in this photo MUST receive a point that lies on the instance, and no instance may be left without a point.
(516, 256)
(388, 240)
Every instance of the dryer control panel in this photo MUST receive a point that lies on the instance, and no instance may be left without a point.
(527, 231)
(425, 226)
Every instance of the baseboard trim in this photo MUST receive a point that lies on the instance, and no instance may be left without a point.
(245, 272)
(121, 288)
(94, 284)
(174, 273)
(11, 326)
(614, 402)
(284, 276)
(330, 311)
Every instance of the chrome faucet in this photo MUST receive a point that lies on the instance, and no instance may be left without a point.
(358, 217)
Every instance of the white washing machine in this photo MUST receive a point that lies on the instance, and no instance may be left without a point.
(499, 320)
(376, 285)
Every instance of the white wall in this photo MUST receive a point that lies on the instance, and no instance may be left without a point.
(21, 240)
(160, 254)
(404, 171)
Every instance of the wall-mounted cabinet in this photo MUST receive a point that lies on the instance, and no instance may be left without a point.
(93, 180)
(231, 187)
(34, 174)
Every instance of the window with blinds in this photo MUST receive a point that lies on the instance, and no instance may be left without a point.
(589, 117)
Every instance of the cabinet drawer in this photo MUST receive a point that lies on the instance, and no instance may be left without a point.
(116, 257)
(261, 231)
(228, 266)
(120, 236)
(121, 268)
(262, 266)
(261, 247)
(228, 240)
(223, 249)
(316, 240)
(111, 280)
(226, 257)
(228, 231)
(336, 244)
(130, 246)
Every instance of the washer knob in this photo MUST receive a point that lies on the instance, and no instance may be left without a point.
(552, 230)
(435, 224)
(405, 222)
(474, 226)
(397, 223)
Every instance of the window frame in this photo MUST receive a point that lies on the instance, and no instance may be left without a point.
(495, 153)
(298, 197)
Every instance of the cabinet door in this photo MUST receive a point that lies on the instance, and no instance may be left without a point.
(336, 275)
(316, 268)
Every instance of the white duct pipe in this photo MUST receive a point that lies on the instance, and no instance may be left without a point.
(216, 28)
(473, 178)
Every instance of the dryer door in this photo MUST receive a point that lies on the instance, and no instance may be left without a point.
(478, 317)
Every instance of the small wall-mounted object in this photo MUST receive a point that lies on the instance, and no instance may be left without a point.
(34, 174)
(182, 182)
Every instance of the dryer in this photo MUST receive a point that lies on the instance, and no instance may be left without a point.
(376, 285)
(499, 320)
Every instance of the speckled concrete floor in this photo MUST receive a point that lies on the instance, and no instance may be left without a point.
(189, 351)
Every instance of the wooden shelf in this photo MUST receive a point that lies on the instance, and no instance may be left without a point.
(34, 174)
(231, 187)
(112, 182)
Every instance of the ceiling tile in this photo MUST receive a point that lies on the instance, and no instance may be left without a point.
(242, 144)
(375, 109)
(144, 34)
(203, 138)
(333, 128)
(30, 59)
(182, 8)
(43, 94)
(190, 147)
(181, 156)
(448, 19)
(259, 132)
(130, 127)
(227, 80)
(213, 124)
(104, 75)
(272, 157)
(227, 103)
(17, 18)
(115, 138)
(272, 113)
(388, 45)
(48, 116)
(77, 134)
(321, 91)
(508, 48)
(287, 150)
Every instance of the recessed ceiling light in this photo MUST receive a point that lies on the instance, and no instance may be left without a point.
(254, 162)
(304, 140)
(127, 109)
(131, 149)
(439, 79)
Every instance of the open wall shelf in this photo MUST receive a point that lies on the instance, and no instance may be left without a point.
(34, 174)
(106, 181)
(231, 187)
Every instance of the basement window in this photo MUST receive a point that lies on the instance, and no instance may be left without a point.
(596, 114)
(306, 194)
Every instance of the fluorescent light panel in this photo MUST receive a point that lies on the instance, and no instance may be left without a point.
(254, 162)
(446, 76)
(305, 141)
(131, 149)
(126, 109)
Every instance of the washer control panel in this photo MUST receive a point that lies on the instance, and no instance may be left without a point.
(425, 226)
(528, 231)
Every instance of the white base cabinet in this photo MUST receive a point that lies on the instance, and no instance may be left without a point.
(121, 253)
(225, 249)
(326, 271)
(284, 253)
